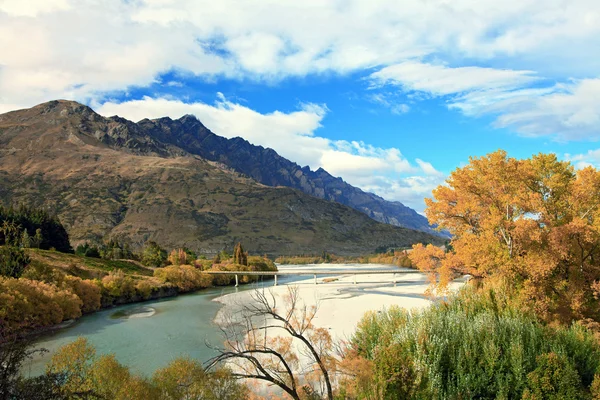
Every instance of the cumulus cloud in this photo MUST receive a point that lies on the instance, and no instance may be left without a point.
(64, 48)
(454, 50)
(293, 135)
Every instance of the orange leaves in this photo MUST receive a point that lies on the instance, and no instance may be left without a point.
(30, 304)
(178, 257)
(185, 277)
(533, 221)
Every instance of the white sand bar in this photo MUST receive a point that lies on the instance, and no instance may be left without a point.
(341, 302)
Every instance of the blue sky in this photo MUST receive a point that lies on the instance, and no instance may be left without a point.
(390, 95)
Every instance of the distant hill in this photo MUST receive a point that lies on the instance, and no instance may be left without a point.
(267, 167)
(112, 178)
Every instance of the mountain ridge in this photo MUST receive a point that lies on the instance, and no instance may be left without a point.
(266, 166)
(107, 179)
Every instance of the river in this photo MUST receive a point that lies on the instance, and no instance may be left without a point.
(147, 336)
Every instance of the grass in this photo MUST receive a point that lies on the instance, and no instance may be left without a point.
(86, 267)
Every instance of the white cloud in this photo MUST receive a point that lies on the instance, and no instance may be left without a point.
(390, 102)
(32, 8)
(383, 171)
(568, 111)
(440, 80)
(85, 48)
(589, 159)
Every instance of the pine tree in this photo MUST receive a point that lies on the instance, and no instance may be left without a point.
(25, 240)
(37, 239)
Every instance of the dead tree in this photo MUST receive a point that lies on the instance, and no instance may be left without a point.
(255, 348)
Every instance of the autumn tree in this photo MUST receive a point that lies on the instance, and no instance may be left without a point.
(239, 256)
(533, 222)
(261, 342)
(14, 354)
(177, 257)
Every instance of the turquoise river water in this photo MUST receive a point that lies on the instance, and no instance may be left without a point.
(147, 336)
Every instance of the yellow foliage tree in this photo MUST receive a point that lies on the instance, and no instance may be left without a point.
(533, 222)
(178, 257)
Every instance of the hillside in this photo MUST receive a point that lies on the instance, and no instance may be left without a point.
(267, 167)
(107, 178)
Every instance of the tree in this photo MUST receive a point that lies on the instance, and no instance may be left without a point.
(178, 257)
(261, 356)
(239, 256)
(534, 222)
(153, 255)
(11, 233)
(31, 219)
(185, 378)
(13, 355)
(25, 240)
(37, 239)
(87, 250)
(13, 261)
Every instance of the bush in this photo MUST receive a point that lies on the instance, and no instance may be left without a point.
(88, 291)
(185, 277)
(42, 272)
(554, 378)
(87, 250)
(476, 345)
(118, 285)
(27, 304)
(144, 289)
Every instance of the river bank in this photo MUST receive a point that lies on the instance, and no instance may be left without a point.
(342, 303)
(148, 335)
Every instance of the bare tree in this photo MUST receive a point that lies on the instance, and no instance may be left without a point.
(255, 348)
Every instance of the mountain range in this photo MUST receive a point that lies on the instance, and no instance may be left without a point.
(176, 182)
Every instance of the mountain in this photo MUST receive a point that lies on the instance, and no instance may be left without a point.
(112, 178)
(267, 167)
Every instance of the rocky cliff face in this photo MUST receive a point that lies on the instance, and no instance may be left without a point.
(111, 178)
(267, 167)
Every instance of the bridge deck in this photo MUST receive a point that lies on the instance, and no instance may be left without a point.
(317, 272)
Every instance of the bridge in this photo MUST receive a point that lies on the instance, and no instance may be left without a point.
(313, 272)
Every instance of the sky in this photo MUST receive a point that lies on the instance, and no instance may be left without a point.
(390, 95)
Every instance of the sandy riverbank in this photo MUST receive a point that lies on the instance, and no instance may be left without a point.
(341, 302)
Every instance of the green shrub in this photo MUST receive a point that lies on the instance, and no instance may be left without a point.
(554, 378)
(13, 261)
(476, 345)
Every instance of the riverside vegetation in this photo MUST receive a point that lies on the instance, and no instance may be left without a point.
(527, 326)
(41, 287)
(395, 257)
